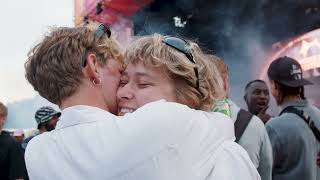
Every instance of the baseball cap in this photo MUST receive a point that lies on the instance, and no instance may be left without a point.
(45, 113)
(287, 71)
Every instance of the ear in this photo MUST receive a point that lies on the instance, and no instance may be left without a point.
(92, 68)
(245, 97)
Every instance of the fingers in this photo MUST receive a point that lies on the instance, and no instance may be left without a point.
(263, 110)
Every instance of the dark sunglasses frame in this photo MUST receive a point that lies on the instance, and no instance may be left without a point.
(184, 47)
(102, 29)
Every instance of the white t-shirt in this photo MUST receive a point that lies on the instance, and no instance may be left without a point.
(159, 141)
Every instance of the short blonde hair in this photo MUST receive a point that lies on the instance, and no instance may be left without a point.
(153, 52)
(3, 110)
(54, 65)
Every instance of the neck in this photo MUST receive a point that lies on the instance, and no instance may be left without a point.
(85, 95)
(290, 98)
(42, 130)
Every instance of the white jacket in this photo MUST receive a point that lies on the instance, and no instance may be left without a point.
(256, 142)
(160, 141)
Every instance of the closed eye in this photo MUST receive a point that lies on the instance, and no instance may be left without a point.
(143, 85)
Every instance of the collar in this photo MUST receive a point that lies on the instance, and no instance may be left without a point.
(295, 103)
(81, 114)
(234, 109)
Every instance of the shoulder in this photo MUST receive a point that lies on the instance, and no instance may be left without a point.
(220, 118)
(280, 120)
(37, 145)
(232, 156)
(8, 140)
(314, 110)
(283, 126)
(256, 127)
(257, 122)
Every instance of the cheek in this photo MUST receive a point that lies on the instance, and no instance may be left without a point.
(252, 99)
(144, 96)
(153, 94)
(111, 79)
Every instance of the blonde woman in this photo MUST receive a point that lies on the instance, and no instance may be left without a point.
(170, 68)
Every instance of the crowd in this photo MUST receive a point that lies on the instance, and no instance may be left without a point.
(158, 110)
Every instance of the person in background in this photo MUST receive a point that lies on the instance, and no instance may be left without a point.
(19, 135)
(250, 132)
(257, 99)
(294, 134)
(46, 118)
(12, 166)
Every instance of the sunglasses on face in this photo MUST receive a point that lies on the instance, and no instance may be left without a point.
(102, 29)
(184, 47)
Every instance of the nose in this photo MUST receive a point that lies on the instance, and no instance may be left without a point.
(125, 93)
(263, 96)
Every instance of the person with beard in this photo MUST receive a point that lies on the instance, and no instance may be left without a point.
(257, 99)
(46, 118)
(294, 134)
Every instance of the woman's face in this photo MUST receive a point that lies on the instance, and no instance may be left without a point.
(140, 84)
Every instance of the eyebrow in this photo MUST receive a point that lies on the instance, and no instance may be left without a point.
(142, 74)
(137, 74)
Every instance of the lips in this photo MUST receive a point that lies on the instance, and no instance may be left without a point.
(262, 103)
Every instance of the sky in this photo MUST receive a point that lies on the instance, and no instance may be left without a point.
(23, 24)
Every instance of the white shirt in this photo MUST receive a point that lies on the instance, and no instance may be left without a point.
(160, 141)
(256, 142)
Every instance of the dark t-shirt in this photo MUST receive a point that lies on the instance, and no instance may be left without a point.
(26, 141)
(12, 165)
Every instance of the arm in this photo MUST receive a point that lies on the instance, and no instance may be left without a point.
(233, 163)
(266, 157)
(160, 119)
(275, 144)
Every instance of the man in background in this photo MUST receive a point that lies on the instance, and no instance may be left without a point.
(249, 130)
(294, 134)
(46, 118)
(257, 99)
(19, 135)
(12, 166)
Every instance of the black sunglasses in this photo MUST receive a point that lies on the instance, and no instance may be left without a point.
(184, 47)
(98, 34)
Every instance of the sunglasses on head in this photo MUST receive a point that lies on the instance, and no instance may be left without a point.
(102, 29)
(184, 47)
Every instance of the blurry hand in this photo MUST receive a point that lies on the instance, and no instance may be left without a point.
(263, 115)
